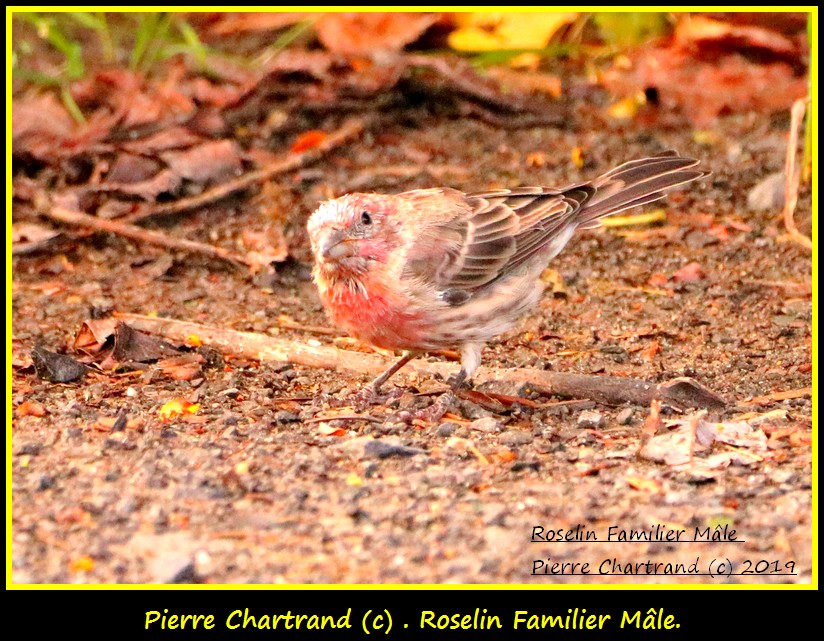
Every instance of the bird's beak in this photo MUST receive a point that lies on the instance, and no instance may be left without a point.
(334, 244)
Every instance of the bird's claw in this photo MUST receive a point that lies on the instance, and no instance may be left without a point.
(371, 395)
(435, 412)
(458, 381)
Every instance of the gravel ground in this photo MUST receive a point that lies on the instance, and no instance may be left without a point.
(255, 488)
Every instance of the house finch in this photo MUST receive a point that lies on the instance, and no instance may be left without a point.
(431, 269)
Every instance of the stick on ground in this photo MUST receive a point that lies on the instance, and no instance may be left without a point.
(612, 390)
(80, 219)
(791, 178)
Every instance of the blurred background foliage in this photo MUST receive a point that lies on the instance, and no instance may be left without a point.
(703, 64)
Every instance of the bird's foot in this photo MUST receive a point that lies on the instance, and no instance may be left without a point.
(435, 412)
(459, 380)
(369, 395)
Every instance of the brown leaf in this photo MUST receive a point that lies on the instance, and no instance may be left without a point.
(366, 33)
(132, 345)
(94, 334)
(131, 168)
(672, 448)
(210, 161)
(39, 125)
(31, 233)
(31, 237)
(704, 86)
(265, 248)
(649, 352)
(324, 429)
(54, 367)
(737, 433)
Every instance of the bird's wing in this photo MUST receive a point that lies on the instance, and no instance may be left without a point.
(492, 233)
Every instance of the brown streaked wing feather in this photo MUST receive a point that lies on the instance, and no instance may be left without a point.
(501, 230)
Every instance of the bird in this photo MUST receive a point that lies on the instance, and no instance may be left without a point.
(433, 269)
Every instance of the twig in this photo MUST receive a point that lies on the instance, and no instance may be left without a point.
(791, 179)
(778, 396)
(79, 219)
(612, 390)
(350, 129)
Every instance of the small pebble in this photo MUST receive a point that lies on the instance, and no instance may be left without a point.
(515, 437)
(30, 449)
(383, 449)
(768, 194)
(286, 417)
(625, 416)
(446, 429)
(45, 482)
(487, 424)
(588, 419)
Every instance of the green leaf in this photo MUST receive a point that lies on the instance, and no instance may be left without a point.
(194, 45)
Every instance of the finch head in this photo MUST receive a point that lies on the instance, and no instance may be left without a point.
(352, 234)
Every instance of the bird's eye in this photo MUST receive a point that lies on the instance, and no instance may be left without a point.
(365, 218)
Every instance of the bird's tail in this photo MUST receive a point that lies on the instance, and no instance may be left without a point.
(637, 182)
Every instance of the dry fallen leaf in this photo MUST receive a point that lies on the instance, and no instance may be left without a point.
(94, 334)
(177, 407)
(644, 484)
(672, 448)
(327, 430)
(736, 433)
(367, 33)
(649, 352)
(308, 140)
(208, 162)
(193, 340)
(653, 423)
(29, 408)
(83, 564)
(702, 90)
(495, 31)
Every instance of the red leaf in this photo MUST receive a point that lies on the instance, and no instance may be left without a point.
(308, 140)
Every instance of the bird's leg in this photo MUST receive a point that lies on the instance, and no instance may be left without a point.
(389, 373)
(369, 393)
(470, 359)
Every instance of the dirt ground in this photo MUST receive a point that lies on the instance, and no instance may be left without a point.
(259, 489)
